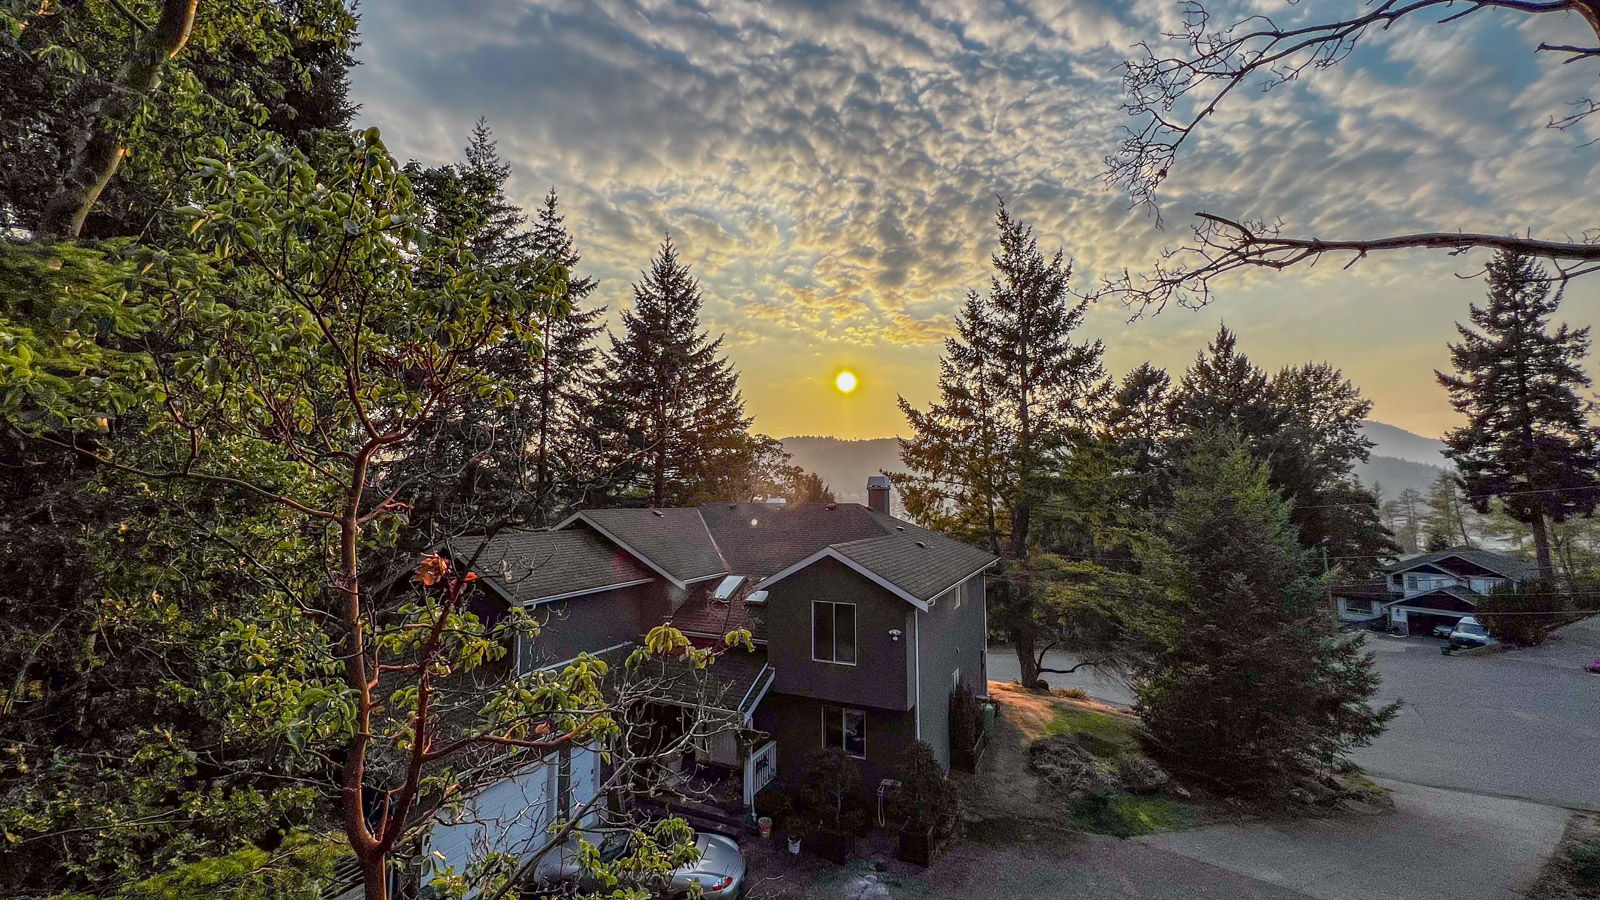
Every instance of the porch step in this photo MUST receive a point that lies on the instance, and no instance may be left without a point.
(702, 817)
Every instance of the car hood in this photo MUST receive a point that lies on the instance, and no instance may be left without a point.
(718, 856)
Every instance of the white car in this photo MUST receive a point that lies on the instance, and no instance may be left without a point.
(1469, 632)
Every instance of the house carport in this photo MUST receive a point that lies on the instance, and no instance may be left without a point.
(1424, 612)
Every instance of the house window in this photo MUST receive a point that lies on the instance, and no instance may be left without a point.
(1411, 582)
(833, 632)
(845, 729)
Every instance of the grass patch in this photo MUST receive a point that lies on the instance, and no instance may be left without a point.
(1128, 815)
(1120, 731)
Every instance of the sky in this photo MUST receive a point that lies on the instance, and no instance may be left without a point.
(830, 171)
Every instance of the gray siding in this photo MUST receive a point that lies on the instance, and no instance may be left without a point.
(879, 677)
(796, 724)
(588, 624)
(949, 638)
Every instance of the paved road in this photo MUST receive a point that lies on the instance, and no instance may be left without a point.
(1436, 844)
(1524, 724)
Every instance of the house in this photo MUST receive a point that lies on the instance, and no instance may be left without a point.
(1420, 592)
(862, 625)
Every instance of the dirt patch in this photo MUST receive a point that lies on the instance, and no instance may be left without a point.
(1573, 871)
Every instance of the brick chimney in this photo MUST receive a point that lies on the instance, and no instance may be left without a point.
(878, 493)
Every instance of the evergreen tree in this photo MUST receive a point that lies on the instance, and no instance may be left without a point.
(1403, 516)
(564, 446)
(1225, 390)
(673, 399)
(1305, 426)
(1016, 394)
(1447, 522)
(1141, 428)
(1240, 675)
(1528, 440)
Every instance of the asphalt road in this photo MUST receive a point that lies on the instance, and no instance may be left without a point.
(1485, 759)
(1524, 724)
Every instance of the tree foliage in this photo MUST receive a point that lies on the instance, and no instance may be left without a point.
(1528, 440)
(1241, 677)
(671, 399)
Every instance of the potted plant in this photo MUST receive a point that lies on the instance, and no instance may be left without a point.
(833, 783)
(927, 803)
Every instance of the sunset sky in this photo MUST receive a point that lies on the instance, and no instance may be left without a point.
(829, 170)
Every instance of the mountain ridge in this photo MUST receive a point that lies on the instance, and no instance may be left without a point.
(1400, 460)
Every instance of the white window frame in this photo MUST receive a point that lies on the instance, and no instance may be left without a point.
(855, 633)
(955, 679)
(960, 592)
(842, 712)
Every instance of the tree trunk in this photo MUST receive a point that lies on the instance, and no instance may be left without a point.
(99, 150)
(1541, 546)
(1027, 661)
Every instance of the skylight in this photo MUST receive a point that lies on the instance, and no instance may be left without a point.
(727, 586)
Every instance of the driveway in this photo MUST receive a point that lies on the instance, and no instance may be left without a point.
(1523, 724)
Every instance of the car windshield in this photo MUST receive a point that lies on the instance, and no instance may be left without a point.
(1472, 629)
(615, 846)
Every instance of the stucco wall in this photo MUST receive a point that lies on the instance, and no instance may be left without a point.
(796, 723)
(587, 624)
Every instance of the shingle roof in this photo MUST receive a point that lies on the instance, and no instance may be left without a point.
(674, 539)
(1509, 566)
(529, 566)
(922, 563)
(733, 682)
(760, 539)
(701, 614)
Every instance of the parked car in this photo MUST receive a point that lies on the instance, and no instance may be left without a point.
(719, 870)
(1469, 632)
(1443, 631)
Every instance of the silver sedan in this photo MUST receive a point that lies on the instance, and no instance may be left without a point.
(719, 870)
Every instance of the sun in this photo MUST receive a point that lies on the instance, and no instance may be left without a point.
(845, 381)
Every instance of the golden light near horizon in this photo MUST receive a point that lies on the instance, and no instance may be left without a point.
(845, 381)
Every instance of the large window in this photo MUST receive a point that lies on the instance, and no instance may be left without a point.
(844, 729)
(833, 632)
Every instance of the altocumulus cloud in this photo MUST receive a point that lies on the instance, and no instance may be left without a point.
(830, 167)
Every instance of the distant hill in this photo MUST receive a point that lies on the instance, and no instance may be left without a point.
(1400, 460)
(1392, 475)
(1402, 444)
(845, 465)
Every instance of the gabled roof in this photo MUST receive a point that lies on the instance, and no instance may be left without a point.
(529, 567)
(1499, 563)
(1465, 595)
(912, 563)
(672, 542)
(760, 539)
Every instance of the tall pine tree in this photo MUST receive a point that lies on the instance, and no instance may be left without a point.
(1528, 440)
(1016, 394)
(564, 448)
(673, 401)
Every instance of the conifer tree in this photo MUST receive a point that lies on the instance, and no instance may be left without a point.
(564, 448)
(1447, 522)
(1528, 440)
(1240, 675)
(1016, 394)
(673, 399)
(1225, 390)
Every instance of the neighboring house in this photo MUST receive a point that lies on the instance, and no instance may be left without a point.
(1418, 593)
(863, 625)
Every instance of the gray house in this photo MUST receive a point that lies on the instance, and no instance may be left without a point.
(862, 624)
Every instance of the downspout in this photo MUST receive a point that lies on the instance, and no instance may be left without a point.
(916, 662)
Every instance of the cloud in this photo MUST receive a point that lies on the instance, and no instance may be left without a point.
(829, 167)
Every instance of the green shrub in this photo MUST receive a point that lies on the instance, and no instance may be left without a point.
(926, 801)
(1525, 614)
